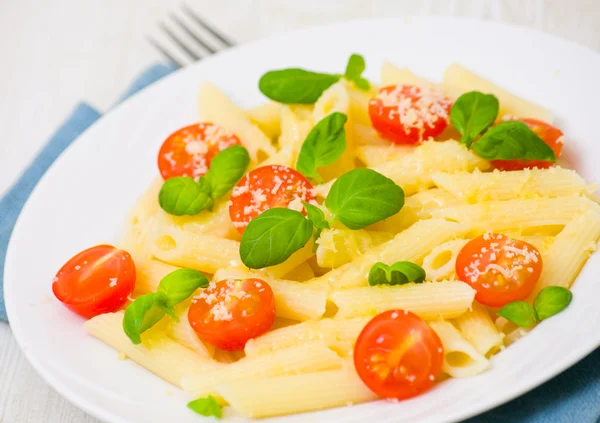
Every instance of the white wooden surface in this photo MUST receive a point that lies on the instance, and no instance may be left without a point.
(57, 53)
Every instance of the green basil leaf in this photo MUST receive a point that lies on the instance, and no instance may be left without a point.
(354, 69)
(362, 197)
(399, 273)
(520, 313)
(552, 300)
(226, 169)
(142, 314)
(316, 216)
(472, 113)
(183, 196)
(512, 140)
(273, 236)
(208, 407)
(324, 144)
(178, 285)
(295, 86)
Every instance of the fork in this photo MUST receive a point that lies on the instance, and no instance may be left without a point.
(192, 36)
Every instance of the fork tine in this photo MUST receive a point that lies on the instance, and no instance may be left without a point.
(204, 25)
(180, 43)
(192, 35)
(164, 52)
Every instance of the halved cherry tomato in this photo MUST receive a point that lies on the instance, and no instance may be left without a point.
(408, 114)
(230, 312)
(189, 151)
(551, 135)
(265, 188)
(95, 281)
(499, 268)
(397, 355)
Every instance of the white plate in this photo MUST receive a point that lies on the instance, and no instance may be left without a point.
(85, 195)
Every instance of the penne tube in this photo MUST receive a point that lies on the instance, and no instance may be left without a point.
(307, 357)
(157, 353)
(569, 252)
(461, 359)
(477, 327)
(518, 214)
(529, 183)
(268, 118)
(430, 300)
(297, 393)
(458, 80)
(215, 107)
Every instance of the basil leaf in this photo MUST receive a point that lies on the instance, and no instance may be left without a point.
(354, 69)
(208, 407)
(472, 113)
(142, 314)
(520, 313)
(316, 216)
(362, 197)
(324, 144)
(551, 300)
(226, 169)
(512, 140)
(399, 273)
(183, 196)
(295, 86)
(180, 284)
(273, 236)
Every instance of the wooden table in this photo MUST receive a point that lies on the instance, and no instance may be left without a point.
(55, 54)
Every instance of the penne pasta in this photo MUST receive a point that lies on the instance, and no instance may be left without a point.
(297, 393)
(529, 183)
(159, 354)
(430, 300)
(461, 359)
(569, 251)
(458, 80)
(440, 263)
(215, 107)
(476, 326)
(518, 214)
(268, 118)
(307, 357)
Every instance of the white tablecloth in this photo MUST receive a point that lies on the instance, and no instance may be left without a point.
(54, 54)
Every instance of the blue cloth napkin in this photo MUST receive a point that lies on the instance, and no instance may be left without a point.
(572, 397)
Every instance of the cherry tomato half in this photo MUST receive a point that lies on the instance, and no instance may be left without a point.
(499, 268)
(551, 135)
(95, 281)
(230, 312)
(397, 355)
(265, 188)
(408, 114)
(189, 151)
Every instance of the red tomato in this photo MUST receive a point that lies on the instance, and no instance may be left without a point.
(551, 135)
(397, 355)
(230, 312)
(265, 188)
(408, 114)
(95, 281)
(499, 268)
(189, 151)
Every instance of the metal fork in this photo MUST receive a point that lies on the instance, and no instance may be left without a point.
(217, 40)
